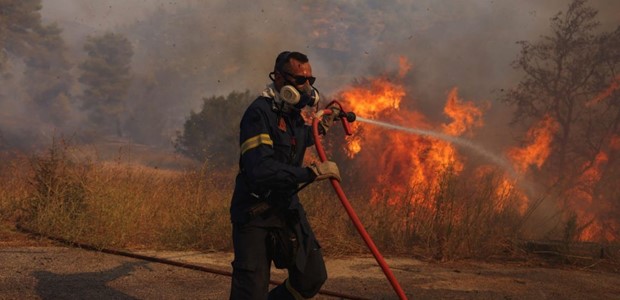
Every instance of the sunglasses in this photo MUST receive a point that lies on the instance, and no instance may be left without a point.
(299, 80)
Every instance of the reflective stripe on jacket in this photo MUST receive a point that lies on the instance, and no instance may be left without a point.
(272, 149)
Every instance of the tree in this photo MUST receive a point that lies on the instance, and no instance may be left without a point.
(564, 74)
(47, 76)
(46, 79)
(572, 76)
(106, 73)
(213, 133)
(18, 21)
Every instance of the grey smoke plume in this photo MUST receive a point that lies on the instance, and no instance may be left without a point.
(188, 49)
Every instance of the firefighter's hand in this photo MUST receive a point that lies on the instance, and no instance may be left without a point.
(328, 120)
(324, 170)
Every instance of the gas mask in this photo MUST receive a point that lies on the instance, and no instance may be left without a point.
(307, 96)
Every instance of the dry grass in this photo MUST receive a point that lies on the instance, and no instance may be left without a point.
(121, 204)
(116, 204)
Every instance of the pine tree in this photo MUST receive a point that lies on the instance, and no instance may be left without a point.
(106, 75)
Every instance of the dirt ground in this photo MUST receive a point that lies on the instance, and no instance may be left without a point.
(39, 269)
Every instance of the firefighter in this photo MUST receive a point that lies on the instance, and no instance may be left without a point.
(269, 222)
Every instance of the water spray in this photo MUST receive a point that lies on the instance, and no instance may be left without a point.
(525, 184)
(496, 159)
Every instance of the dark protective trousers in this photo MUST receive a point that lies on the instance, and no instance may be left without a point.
(252, 266)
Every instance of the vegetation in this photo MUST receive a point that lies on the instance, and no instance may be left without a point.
(565, 74)
(106, 75)
(19, 21)
(212, 134)
(64, 193)
(571, 76)
(37, 78)
(115, 204)
(46, 76)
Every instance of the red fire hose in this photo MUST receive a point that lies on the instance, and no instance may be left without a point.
(345, 202)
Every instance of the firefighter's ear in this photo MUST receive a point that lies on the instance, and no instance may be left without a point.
(272, 76)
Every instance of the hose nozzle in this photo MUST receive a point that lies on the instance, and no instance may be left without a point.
(350, 116)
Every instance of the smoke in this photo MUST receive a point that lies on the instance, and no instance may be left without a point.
(187, 50)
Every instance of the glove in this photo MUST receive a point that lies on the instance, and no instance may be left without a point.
(328, 120)
(324, 170)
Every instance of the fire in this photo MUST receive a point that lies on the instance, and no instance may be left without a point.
(506, 188)
(465, 115)
(403, 162)
(404, 169)
(354, 146)
(615, 84)
(534, 153)
(580, 197)
(404, 66)
(614, 143)
(590, 209)
(506, 191)
(539, 139)
(381, 97)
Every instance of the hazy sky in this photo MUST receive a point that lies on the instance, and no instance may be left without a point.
(231, 45)
(429, 32)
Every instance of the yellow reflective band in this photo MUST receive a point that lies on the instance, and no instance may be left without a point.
(256, 141)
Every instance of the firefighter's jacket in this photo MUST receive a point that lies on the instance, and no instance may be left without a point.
(273, 144)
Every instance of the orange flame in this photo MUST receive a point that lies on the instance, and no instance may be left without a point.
(536, 152)
(614, 143)
(615, 84)
(507, 195)
(402, 161)
(580, 197)
(380, 97)
(404, 67)
(589, 208)
(407, 169)
(465, 115)
(354, 146)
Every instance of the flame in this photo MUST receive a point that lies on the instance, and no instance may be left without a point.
(591, 209)
(580, 197)
(615, 84)
(400, 160)
(354, 146)
(507, 195)
(538, 148)
(406, 169)
(403, 162)
(539, 139)
(465, 115)
(614, 143)
(382, 96)
(404, 66)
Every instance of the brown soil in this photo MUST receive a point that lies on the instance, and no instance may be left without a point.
(38, 269)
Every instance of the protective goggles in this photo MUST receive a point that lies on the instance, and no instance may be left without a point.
(299, 80)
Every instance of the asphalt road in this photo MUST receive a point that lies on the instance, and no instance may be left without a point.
(59, 272)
